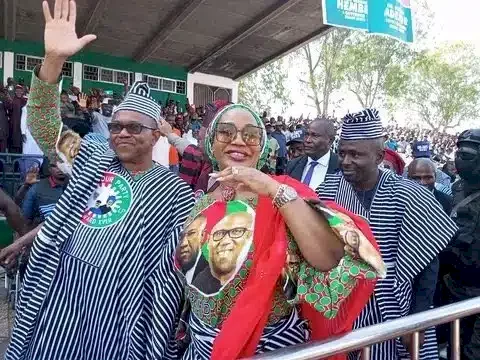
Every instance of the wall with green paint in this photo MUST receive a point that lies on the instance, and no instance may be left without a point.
(108, 61)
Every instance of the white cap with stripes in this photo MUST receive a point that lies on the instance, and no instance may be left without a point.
(362, 125)
(138, 99)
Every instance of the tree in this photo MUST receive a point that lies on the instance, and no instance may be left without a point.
(266, 87)
(444, 86)
(323, 75)
(370, 64)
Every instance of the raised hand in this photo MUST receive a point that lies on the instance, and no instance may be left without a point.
(82, 100)
(61, 40)
(32, 176)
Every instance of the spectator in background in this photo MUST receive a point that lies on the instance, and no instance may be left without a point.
(402, 145)
(195, 168)
(100, 120)
(30, 146)
(421, 148)
(390, 143)
(14, 107)
(42, 197)
(11, 87)
(449, 169)
(173, 157)
(423, 171)
(296, 149)
(67, 109)
(282, 143)
(393, 161)
(273, 146)
(3, 119)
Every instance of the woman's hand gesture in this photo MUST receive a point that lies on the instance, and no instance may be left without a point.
(250, 178)
(61, 40)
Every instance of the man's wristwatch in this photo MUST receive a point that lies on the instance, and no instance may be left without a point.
(284, 195)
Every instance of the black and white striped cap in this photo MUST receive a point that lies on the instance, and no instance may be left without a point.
(138, 99)
(363, 125)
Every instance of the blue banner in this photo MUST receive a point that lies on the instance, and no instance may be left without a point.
(388, 17)
(352, 14)
(392, 18)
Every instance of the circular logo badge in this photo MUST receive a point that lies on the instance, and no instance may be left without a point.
(109, 203)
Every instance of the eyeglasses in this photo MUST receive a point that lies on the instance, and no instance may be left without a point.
(251, 135)
(133, 128)
(234, 233)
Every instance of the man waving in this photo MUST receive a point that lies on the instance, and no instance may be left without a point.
(100, 284)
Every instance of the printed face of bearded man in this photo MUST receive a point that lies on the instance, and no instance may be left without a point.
(192, 237)
(227, 239)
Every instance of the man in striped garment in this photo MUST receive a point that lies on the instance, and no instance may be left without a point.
(409, 225)
(100, 283)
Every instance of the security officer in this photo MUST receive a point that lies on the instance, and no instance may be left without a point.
(464, 251)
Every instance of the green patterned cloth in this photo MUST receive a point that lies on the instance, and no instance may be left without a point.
(43, 109)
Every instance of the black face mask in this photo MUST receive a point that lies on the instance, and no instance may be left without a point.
(467, 162)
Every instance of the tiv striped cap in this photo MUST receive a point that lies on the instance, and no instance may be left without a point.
(138, 99)
(363, 125)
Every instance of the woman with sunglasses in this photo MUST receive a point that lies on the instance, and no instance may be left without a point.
(263, 255)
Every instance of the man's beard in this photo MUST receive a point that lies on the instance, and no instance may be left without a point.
(188, 265)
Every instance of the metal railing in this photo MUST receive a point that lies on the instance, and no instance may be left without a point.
(362, 339)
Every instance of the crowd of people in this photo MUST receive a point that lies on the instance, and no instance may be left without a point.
(151, 232)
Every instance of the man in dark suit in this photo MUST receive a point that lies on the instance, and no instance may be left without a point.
(318, 160)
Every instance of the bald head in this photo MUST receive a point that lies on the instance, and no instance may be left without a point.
(324, 126)
(319, 137)
(423, 171)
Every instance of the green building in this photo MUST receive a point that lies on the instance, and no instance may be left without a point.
(89, 70)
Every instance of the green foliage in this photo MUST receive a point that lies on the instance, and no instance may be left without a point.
(266, 87)
(324, 72)
(371, 65)
(444, 86)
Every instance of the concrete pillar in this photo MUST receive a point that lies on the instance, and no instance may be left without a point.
(8, 65)
(77, 75)
(211, 80)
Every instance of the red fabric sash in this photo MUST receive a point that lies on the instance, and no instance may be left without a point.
(242, 330)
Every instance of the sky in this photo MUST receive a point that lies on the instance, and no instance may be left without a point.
(453, 21)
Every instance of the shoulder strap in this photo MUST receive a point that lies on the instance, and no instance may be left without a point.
(464, 202)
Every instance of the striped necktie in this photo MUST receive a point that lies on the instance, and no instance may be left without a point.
(308, 176)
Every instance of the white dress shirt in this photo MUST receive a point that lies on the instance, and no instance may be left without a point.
(319, 172)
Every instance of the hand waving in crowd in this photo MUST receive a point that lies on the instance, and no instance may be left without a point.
(82, 100)
(32, 176)
(61, 40)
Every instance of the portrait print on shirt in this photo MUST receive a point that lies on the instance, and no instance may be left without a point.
(215, 245)
(109, 203)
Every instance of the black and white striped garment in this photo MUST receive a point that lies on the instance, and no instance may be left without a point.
(105, 293)
(410, 228)
(287, 332)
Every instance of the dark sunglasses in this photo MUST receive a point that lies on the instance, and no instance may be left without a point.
(251, 135)
(132, 128)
